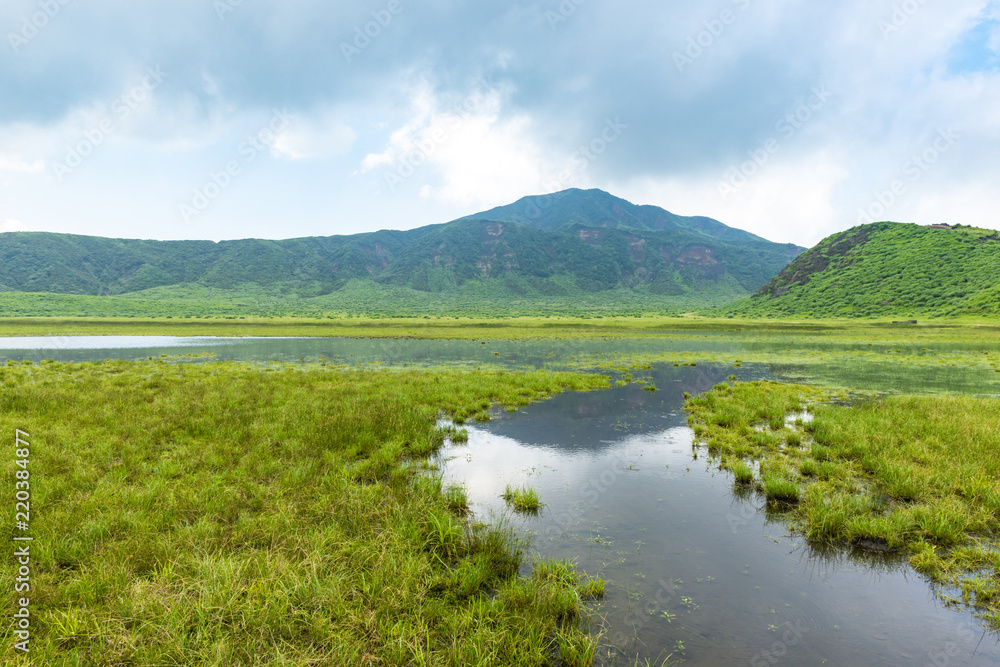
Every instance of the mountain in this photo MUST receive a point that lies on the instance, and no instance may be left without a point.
(580, 243)
(887, 269)
(596, 208)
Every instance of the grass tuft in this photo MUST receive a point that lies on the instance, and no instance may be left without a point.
(522, 498)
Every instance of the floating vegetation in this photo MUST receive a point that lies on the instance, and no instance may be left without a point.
(522, 498)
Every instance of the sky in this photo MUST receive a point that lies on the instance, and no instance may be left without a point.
(226, 119)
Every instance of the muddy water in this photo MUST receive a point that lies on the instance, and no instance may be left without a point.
(692, 570)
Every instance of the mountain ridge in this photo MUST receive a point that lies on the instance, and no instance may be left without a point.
(586, 242)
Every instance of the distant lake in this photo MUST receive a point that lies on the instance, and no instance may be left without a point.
(880, 373)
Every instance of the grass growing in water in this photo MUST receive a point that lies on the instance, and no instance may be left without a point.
(522, 498)
(918, 474)
(742, 472)
(233, 514)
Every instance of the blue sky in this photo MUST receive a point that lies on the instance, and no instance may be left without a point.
(221, 119)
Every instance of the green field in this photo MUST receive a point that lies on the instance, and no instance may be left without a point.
(227, 514)
(958, 330)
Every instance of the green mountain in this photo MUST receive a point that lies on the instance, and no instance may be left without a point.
(596, 208)
(584, 245)
(887, 269)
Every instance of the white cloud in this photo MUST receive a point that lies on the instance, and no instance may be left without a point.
(316, 138)
(11, 225)
(786, 202)
(14, 163)
(973, 204)
(518, 136)
(480, 157)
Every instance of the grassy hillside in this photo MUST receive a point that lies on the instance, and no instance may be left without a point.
(639, 261)
(489, 298)
(887, 269)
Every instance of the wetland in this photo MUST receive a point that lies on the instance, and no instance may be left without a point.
(203, 489)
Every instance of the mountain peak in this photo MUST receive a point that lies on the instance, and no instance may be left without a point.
(558, 211)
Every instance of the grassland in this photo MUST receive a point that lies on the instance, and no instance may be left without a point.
(229, 514)
(515, 327)
(917, 475)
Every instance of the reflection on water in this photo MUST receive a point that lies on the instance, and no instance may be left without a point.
(881, 373)
(692, 569)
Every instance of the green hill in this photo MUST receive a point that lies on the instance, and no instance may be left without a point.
(596, 208)
(887, 269)
(588, 250)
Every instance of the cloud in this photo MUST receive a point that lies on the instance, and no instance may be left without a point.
(315, 138)
(470, 153)
(14, 163)
(11, 225)
(460, 105)
(788, 202)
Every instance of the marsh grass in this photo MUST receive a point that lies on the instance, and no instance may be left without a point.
(742, 472)
(231, 514)
(915, 474)
(591, 589)
(777, 487)
(522, 498)
(457, 498)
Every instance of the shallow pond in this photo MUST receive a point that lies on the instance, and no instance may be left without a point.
(692, 570)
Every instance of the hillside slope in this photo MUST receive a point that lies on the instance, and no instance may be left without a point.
(887, 269)
(643, 252)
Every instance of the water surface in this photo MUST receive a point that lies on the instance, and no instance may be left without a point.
(692, 569)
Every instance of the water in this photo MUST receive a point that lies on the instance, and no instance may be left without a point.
(876, 367)
(692, 570)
